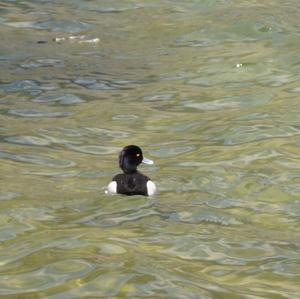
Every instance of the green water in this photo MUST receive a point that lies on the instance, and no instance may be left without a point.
(209, 90)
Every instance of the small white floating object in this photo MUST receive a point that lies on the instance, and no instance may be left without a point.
(73, 37)
(76, 38)
(93, 40)
(238, 65)
(59, 39)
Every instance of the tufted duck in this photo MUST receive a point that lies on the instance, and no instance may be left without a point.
(131, 181)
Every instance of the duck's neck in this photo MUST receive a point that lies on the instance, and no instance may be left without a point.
(129, 172)
(128, 168)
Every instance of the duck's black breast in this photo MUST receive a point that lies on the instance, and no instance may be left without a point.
(131, 184)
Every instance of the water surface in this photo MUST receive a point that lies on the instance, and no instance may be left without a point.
(209, 89)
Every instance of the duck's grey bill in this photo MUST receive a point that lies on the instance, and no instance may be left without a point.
(147, 161)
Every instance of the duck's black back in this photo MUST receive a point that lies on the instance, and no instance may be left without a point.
(131, 184)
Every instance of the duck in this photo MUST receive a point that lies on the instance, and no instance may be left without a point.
(131, 181)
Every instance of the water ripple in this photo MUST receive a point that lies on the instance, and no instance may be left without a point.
(21, 85)
(251, 133)
(158, 97)
(120, 211)
(242, 160)
(36, 159)
(104, 285)
(63, 99)
(8, 195)
(107, 132)
(232, 102)
(77, 139)
(94, 149)
(32, 113)
(47, 62)
(172, 151)
(93, 84)
(69, 26)
(28, 140)
(47, 277)
(205, 215)
(125, 117)
(111, 10)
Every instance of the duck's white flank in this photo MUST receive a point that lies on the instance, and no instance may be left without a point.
(151, 188)
(112, 187)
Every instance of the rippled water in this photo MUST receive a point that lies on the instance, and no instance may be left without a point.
(209, 89)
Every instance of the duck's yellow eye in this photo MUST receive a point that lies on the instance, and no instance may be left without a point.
(138, 155)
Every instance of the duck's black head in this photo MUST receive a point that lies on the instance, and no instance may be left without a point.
(130, 157)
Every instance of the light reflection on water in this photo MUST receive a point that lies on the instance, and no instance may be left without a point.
(209, 89)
